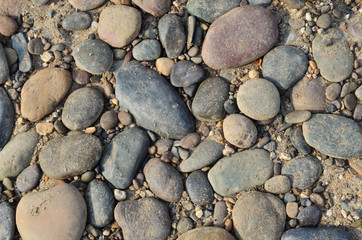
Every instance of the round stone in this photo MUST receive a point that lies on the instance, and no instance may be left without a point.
(125, 118)
(165, 66)
(324, 20)
(190, 141)
(278, 184)
(309, 216)
(292, 209)
(199, 189)
(8, 26)
(28, 178)
(185, 224)
(186, 73)
(81, 77)
(109, 120)
(77, 21)
(147, 50)
(36, 46)
(210, 233)
(85, 5)
(333, 91)
(309, 95)
(239, 131)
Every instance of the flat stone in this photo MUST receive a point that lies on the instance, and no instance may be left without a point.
(355, 29)
(333, 91)
(205, 154)
(186, 73)
(207, 233)
(263, 3)
(298, 141)
(6, 117)
(220, 213)
(11, 56)
(16, 155)
(259, 215)
(190, 141)
(230, 42)
(239, 131)
(147, 50)
(85, 5)
(164, 180)
(157, 8)
(309, 94)
(335, 61)
(309, 216)
(70, 155)
(20, 45)
(296, 4)
(89, 54)
(8, 26)
(316, 234)
(303, 171)
(123, 156)
(77, 21)
(82, 108)
(258, 99)
(36, 46)
(199, 189)
(149, 219)
(284, 66)
(297, 117)
(39, 215)
(278, 184)
(42, 93)
(241, 171)
(7, 221)
(152, 101)
(324, 20)
(28, 178)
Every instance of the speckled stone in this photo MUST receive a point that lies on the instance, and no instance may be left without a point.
(309, 216)
(278, 184)
(309, 94)
(199, 189)
(316, 234)
(7, 221)
(28, 178)
(6, 117)
(298, 141)
(4, 68)
(77, 21)
(186, 73)
(210, 233)
(239, 130)
(155, 7)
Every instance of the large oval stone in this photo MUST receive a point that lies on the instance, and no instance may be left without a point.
(241, 171)
(240, 36)
(70, 155)
(7, 221)
(155, 7)
(209, 233)
(6, 117)
(4, 68)
(58, 213)
(316, 234)
(85, 5)
(152, 101)
(42, 93)
(334, 135)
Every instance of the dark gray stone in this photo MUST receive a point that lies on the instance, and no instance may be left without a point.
(220, 213)
(316, 234)
(147, 50)
(6, 117)
(7, 221)
(77, 21)
(4, 68)
(230, 106)
(263, 3)
(123, 156)
(298, 4)
(28, 178)
(152, 101)
(199, 189)
(324, 20)
(309, 216)
(20, 45)
(36, 46)
(298, 141)
(186, 73)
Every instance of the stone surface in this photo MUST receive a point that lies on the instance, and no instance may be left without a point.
(199, 189)
(324, 20)
(147, 50)
(309, 94)
(309, 216)
(186, 73)
(316, 234)
(190, 141)
(7, 221)
(28, 178)
(149, 219)
(239, 131)
(165, 66)
(20, 45)
(157, 8)
(230, 41)
(298, 141)
(11, 7)
(42, 93)
(81, 77)
(209, 233)
(259, 215)
(39, 215)
(292, 209)
(40, 2)
(284, 66)
(278, 184)
(297, 117)
(109, 120)
(8, 26)
(355, 29)
(263, 3)
(123, 156)
(241, 171)
(333, 91)
(70, 155)
(152, 101)
(185, 224)
(321, 133)
(356, 164)
(77, 21)
(220, 213)
(6, 117)
(36, 46)
(296, 4)
(258, 99)
(11, 56)
(85, 5)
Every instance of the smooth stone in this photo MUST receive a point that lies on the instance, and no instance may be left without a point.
(77, 21)
(241, 171)
(309, 216)
(81, 77)
(358, 93)
(93, 56)
(40, 2)
(309, 95)
(297, 117)
(296, 4)
(163, 145)
(240, 131)
(164, 180)
(205, 154)
(296, 23)
(42, 93)
(100, 203)
(6, 117)
(8, 26)
(123, 156)
(316, 234)
(298, 141)
(119, 25)
(258, 99)
(147, 50)
(333, 91)
(230, 106)
(7, 221)
(20, 45)
(85, 5)
(355, 30)
(109, 120)
(70, 155)
(60, 211)
(324, 20)
(230, 42)
(36, 46)
(321, 133)
(172, 35)
(357, 114)
(302, 171)
(284, 66)
(11, 7)
(186, 73)
(210, 233)
(259, 215)
(152, 101)
(348, 87)
(356, 165)
(220, 213)
(190, 141)
(16, 155)
(263, 3)
(157, 8)
(350, 101)
(28, 178)
(11, 56)
(82, 108)
(165, 65)
(199, 189)
(335, 62)
(278, 184)
(185, 224)
(208, 103)
(149, 219)
(292, 209)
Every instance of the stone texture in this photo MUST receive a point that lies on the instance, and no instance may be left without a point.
(12, 8)
(278, 184)
(6, 117)
(297, 117)
(190, 141)
(4, 68)
(239, 131)
(298, 141)
(28, 178)
(8, 26)
(157, 8)
(7, 221)
(36, 46)
(77, 21)
(85, 5)
(199, 189)
(20, 45)
(355, 29)
(209, 233)
(186, 73)
(147, 50)
(309, 216)
(165, 66)
(316, 234)
(109, 120)
(296, 4)
(309, 94)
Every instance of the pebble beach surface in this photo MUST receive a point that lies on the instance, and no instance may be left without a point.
(180, 120)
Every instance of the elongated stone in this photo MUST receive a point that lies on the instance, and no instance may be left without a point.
(20, 45)
(4, 68)
(6, 118)
(316, 234)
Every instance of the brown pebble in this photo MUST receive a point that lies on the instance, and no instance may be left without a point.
(109, 120)
(228, 225)
(44, 128)
(312, 64)
(59, 127)
(8, 26)
(166, 157)
(317, 199)
(164, 66)
(125, 118)
(292, 209)
(190, 141)
(81, 77)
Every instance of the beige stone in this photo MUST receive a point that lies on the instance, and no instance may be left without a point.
(165, 66)
(44, 128)
(209, 233)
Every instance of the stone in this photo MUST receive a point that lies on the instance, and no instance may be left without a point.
(263, 3)
(20, 45)
(309, 94)
(185, 224)
(70, 155)
(11, 56)
(333, 91)
(149, 219)
(355, 29)
(296, 4)
(220, 214)
(89, 54)
(186, 73)
(28, 178)
(278, 184)
(190, 141)
(85, 5)
(8, 26)
(230, 42)
(40, 2)
(302, 171)
(119, 25)
(165, 66)
(7, 221)
(123, 156)
(316, 234)
(36, 46)
(335, 62)
(210, 233)
(292, 209)
(157, 107)
(348, 87)
(324, 20)
(157, 8)
(77, 21)
(350, 101)
(205, 154)
(12, 8)
(147, 50)
(44, 128)
(172, 35)
(109, 120)
(199, 189)
(4, 68)
(309, 216)
(241, 171)
(6, 117)
(82, 108)
(321, 133)
(297, 117)
(356, 164)
(258, 99)
(357, 114)
(42, 93)
(284, 66)
(16, 155)
(80, 77)
(125, 118)
(298, 141)
(39, 215)
(259, 215)
(208, 103)
(296, 23)
(240, 131)
(100, 203)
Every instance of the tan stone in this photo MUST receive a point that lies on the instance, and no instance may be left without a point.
(240, 131)
(165, 66)
(356, 164)
(8, 26)
(292, 209)
(209, 233)
(44, 128)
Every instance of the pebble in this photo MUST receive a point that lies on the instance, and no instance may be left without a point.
(80, 77)
(317, 199)
(239, 131)
(309, 216)
(316, 233)
(230, 106)
(109, 120)
(185, 224)
(120, 195)
(357, 115)
(298, 141)
(44, 128)
(8, 26)
(4, 68)
(20, 45)
(278, 184)
(199, 189)
(333, 91)
(11, 56)
(149, 219)
(85, 5)
(348, 87)
(36, 46)
(190, 141)
(157, 8)
(147, 50)
(165, 66)
(186, 73)
(263, 3)
(296, 23)
(207, 233)
(324, 20)
(350, 101)
(296, 4)
(354, 30)
(292, 209)
(309, 95)
(7, 221)
(6, 117)
(298, 117)
(289, 197)
(88, 176)
(40, 2)
(28, 178)
(77, 21)
(125, 118)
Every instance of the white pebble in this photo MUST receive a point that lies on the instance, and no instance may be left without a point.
(120, 195)
(199, 213)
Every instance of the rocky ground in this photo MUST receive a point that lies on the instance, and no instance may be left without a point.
(191, 119)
